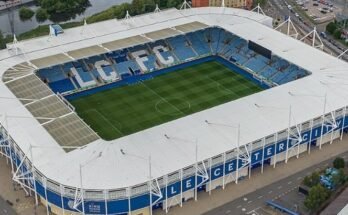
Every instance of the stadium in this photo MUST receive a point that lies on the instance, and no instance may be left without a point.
(128, 116)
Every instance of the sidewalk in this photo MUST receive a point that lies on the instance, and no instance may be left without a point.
(232, 191)
(21, 204)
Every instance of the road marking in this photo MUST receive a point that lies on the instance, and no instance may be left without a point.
(227, 212)
(270, 191)
(290, 182)
(280, 187)
(250, 202)
(299, 178)
(239, 206)
(260, 197)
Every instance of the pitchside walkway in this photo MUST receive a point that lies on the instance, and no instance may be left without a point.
(232, 191)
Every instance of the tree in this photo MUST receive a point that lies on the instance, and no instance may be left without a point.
(261, 2)
(331, 27)
(339, 178)
(143, 6)
(312, 179)
(2, 41)
(41, 15)
(338, 163)
(26, 13)
(174, 3)
(62, 6)
(337, 34)
(317, 195)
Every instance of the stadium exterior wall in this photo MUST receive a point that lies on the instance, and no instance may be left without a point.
(185, 183)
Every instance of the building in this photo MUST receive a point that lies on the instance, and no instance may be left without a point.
(66, 166)
(228, 3)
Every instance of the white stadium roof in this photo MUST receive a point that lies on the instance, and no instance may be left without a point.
(259, 115)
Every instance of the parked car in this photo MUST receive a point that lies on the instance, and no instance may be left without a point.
(323, 35)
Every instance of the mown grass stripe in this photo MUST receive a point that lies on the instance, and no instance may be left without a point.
(133, 108)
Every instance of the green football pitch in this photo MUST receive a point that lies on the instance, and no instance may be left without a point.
(125, 110)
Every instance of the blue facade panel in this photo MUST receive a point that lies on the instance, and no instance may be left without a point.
(140, 202)
(95, 207)
(117, 207)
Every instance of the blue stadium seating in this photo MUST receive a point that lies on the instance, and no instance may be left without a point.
(181, 48)
(93, 59)
(61, 86)
(150, 64)
(118, 56)
(127, 67)
(199, 42)
(52, 74)
(268, 72)
(73, 79)
(137, 48)
(256, 63)
(107, 69)
(158, 43)
(85, 76)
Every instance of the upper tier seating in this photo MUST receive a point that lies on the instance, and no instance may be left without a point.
(199, 42)
(181, 48)
(150, 57)
(127, 68)
(118, 56)
(61, 86)
(52, 74)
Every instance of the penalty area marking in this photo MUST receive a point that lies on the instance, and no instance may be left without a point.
(106, 120)
(178, 111)
(221, 87)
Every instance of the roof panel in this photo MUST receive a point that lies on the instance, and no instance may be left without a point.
(189, 27)
(161, 34)
(87, 52)
(124, 43)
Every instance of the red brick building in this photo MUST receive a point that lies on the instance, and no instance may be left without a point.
(228, 3)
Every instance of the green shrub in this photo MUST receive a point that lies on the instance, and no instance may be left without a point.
(331, 27)
(317, 195)
(26, 13)
(62, 6)
(312, 179)
(41, 15)
(338, 163)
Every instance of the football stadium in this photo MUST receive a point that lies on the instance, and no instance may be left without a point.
(145, 113)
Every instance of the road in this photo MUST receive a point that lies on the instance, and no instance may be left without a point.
(256, 200)
(283, 11)
(5, 208)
